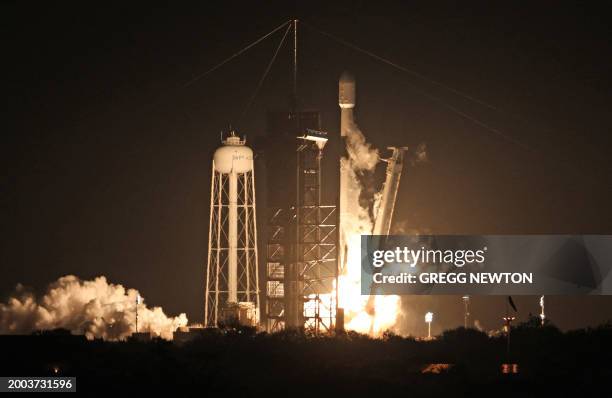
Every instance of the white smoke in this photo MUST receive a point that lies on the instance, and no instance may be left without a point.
(96, 308)
(362, 155)
(365, 314)
(420, 155)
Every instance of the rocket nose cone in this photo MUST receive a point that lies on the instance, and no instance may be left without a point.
(346, 90)
(347, 77)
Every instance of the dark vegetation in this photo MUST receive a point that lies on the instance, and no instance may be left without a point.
(241, 362)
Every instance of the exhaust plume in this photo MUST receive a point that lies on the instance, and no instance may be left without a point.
(95, 308)
(365, 314)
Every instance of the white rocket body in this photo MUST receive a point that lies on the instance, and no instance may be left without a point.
(346, 100)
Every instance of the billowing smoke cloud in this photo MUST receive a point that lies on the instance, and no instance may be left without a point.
(375, 314)
(403, 227)
(367, 314)
(362, 156)
(95, 308)
(420, 155)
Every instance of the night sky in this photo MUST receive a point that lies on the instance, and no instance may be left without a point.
(106, 154)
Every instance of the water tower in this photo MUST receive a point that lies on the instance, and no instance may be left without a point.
(232, 279)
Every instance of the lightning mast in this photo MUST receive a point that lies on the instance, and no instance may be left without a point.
(301, 259)
(138, 301)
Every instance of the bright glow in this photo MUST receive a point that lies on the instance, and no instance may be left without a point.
(95, 308)
(429, 317)
(363, 313)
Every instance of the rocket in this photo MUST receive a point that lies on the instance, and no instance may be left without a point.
(384, 213)
(346, 100)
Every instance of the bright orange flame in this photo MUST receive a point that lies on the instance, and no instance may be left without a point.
(371, 315)
(364, 314)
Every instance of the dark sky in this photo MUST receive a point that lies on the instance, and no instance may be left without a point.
(106, 155)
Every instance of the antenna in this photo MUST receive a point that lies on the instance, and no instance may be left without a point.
(295, 22)
(138, 301)
(466, 310)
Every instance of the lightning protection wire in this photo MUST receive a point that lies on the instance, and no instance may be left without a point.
(220, 64)
(265, 74)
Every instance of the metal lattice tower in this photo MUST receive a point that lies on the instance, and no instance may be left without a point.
(301, 232)
(316, 242)
(232, 279)
(277, 256)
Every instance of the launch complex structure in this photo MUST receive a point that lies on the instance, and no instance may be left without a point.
(304, 246)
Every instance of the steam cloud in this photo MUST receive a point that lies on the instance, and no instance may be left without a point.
(95, 308)
(420, 155)
(362, 156)
(367, 314)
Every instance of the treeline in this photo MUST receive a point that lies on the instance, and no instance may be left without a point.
(240, 360)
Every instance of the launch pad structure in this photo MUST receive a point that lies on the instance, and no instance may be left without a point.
(301, 249)
(305, 246)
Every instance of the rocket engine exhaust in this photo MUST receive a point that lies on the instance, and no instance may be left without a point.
(365, 314)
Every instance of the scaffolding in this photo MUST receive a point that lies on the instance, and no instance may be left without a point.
(301, 252)
(277, 257)
(316, 238)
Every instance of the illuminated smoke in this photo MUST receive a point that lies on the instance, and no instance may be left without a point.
(361, 154)
(367, 314)
(406, 322)
(364, 314)
(420, 155)
(95, 308)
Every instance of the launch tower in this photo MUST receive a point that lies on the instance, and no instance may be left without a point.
(301, 258)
